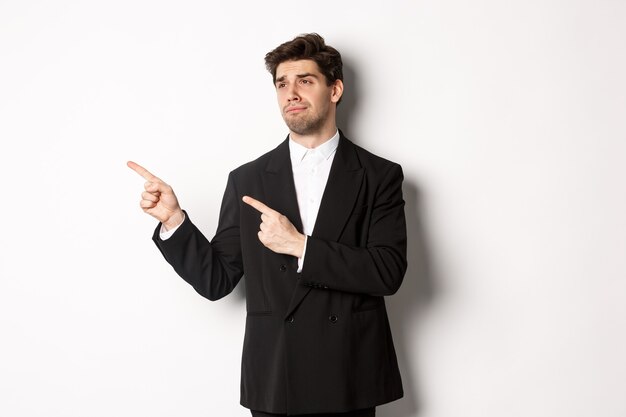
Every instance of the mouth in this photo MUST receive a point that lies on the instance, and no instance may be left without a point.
(295, 109)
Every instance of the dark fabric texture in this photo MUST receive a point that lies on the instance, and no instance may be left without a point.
(318, 341)
(367, 412)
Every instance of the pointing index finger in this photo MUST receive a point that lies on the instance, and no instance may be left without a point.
(258, 205)
(141, 170)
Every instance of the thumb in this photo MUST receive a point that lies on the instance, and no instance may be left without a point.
(156, 187)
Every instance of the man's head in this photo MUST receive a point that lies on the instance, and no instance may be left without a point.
(308, 78)
(310, 46)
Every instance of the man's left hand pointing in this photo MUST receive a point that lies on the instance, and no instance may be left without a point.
(277, 232)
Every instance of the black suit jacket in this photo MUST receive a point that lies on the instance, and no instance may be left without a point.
(317, 341)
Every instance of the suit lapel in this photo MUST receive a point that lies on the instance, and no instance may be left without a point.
(280, 191)
(342, 188)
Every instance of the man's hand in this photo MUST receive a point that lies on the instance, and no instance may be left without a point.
(159, 199)
(277, 232)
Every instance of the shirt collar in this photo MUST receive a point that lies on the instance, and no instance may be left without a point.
(298, 152)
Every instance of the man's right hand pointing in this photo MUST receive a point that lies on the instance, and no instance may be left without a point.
(159, 199)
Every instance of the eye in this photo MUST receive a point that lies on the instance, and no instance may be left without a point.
(280, 85)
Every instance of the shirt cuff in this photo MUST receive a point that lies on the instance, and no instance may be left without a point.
(166, 234)
(301, 260)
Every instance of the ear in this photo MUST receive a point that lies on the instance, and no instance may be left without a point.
(336, 91)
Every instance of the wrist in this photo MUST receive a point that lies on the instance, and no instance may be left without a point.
(301, 242)
(174, 220)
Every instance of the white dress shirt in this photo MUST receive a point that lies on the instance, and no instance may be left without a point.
(311, 168)
(310, 175)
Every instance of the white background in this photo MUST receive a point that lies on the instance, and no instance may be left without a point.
(507, 116)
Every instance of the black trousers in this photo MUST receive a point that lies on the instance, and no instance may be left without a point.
(365, 412)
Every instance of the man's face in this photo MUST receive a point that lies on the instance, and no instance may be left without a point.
(307, 103)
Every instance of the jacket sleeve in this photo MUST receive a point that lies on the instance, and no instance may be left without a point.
(213, 268)
(378, 268)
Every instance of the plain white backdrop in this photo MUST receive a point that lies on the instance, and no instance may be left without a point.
(508, 117)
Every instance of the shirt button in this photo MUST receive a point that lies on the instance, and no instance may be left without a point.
(333, 319)
(290, 319)
(283, 268)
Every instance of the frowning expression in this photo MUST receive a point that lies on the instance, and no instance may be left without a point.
(306, 100)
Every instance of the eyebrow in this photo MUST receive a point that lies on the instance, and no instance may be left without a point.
(304, 75)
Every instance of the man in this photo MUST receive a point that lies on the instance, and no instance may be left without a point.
(317, 226)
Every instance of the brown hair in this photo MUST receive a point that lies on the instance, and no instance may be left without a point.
(308, 46)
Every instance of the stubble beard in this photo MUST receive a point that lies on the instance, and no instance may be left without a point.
(305, 125)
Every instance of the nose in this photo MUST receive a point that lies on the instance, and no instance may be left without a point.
(292, 94)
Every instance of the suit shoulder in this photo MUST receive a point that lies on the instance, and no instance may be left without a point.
(372, 162)
(256, 165)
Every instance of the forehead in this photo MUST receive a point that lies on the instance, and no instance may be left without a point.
(301, 66)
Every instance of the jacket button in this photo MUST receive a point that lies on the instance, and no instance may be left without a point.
(290, 319)
(333, 319)
(283, 268)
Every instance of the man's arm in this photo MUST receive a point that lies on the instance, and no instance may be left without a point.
(378, 268)
(212, 268)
